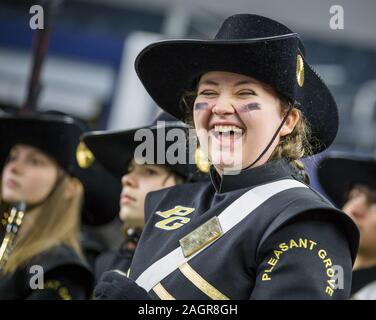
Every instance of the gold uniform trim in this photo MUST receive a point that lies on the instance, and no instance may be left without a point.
(162, 293)
(201, 237)
(201, 283)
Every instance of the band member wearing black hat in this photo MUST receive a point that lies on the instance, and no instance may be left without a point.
(116, 152)
(99, 204)
(40, 253)
(350, 181)
(257, 231)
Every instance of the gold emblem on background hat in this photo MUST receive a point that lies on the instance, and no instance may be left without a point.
(84, 156)
(300, 70)
(202, 163)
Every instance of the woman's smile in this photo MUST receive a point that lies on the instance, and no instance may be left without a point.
(226, 135)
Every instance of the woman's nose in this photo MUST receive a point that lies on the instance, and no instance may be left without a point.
(357, 208)
(129, 180)
(223, 106)
(15, 166)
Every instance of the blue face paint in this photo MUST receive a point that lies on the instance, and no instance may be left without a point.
(201, 106)
(250, 107)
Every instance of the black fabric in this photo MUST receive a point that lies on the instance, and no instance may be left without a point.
(337, 173)
(115, 286)
(115, 149)
(93, 244)
(101, 195)
(362, 277)
(120, 259)
(253, 176)
(246, 44)
(246, 26)
(300, 272)
(63, 270)
(231, 263)
(58, 136)
(60, 287)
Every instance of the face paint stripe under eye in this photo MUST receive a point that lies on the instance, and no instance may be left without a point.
(201, 106)
(250, 107)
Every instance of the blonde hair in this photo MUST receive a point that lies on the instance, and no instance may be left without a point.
(56, 222)
(294, 146)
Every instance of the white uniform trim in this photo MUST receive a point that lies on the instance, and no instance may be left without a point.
(230, 217)
(366, 293)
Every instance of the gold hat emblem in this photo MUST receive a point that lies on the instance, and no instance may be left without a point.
(84, 156)
(300, 70)
(202, 163)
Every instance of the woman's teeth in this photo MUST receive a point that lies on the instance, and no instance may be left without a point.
(227, 132)
(226, 129)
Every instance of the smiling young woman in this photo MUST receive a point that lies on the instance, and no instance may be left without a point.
(257, 107)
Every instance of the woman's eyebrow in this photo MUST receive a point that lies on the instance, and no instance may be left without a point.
(35, 154)
(209, 82)
(239, 83)
(152, 166)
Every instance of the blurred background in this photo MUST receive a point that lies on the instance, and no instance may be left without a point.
(89, 69)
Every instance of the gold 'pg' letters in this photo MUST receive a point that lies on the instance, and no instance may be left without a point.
(174, 218)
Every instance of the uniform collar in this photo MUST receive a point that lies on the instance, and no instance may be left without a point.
(268, 172)
(362, 277)
(132, 235)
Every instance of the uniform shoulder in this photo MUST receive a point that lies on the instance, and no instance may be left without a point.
(311, 209)
(60, 256)
(186, 191)
(299, 261)
(184, 188)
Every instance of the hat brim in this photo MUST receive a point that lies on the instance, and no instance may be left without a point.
(169, 68)
(101, 195)
(337, 174)
(114, 150)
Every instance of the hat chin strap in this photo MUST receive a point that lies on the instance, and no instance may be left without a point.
(273, 138)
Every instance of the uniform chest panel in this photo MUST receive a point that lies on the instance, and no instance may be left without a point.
(226, 268)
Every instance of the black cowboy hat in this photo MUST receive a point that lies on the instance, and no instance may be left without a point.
(338, 173)
(114, 150)
(58, 136)
(246, 44)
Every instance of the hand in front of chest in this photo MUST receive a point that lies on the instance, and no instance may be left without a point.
(115, 285)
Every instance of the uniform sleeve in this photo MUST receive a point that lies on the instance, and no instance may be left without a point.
(305, 259)
(120, 260)
(66, 283)
(102, 264)
(115, 285)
